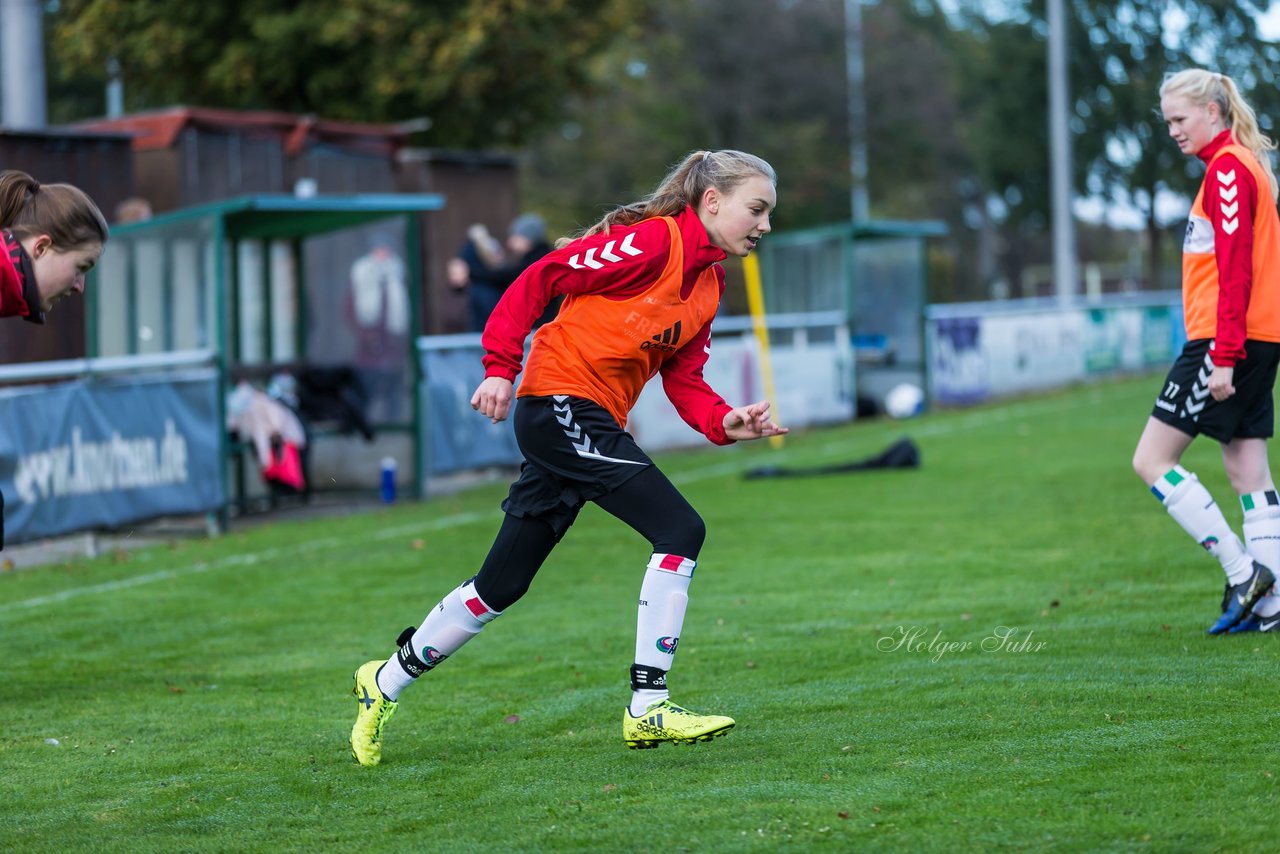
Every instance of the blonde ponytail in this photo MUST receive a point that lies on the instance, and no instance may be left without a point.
(1204, 87)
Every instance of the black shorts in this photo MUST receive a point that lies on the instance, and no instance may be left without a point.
(1185, 402)
(574, 453)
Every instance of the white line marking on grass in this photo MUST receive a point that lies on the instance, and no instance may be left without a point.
(248, 558)
(165, 574)
(434, 525)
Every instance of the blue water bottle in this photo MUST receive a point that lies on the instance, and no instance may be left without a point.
(388, 480)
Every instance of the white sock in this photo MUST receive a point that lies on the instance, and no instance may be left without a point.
(457, 619)
(664, 595)
(1192, 507)
(1262, 539)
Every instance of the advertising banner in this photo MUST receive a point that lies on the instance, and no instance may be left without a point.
(456, 437)
(979, 351)
(104, 452)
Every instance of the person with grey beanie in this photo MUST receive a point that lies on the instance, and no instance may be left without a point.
(488, 274)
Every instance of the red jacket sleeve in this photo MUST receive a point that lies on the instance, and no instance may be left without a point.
(636, 256)
(12, 303)
(1231, 202)
(699, 406)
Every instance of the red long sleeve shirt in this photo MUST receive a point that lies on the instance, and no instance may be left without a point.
(1232, 246)
(575, 269)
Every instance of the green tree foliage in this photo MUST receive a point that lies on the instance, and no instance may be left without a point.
(603, 96)
(915, 125)
(706, 74)
(486, 72)
(1119, 54)
(767, 76)
(1137, 44)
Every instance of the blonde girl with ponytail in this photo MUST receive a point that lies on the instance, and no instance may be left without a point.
(640, 289)
(1205, 87)
(1221, 384)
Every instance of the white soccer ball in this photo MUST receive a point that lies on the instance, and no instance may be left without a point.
(904, 400)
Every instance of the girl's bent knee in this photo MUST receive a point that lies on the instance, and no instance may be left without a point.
(687, 538)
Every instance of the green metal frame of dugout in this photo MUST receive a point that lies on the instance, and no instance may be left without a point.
(231, 277)
(876, 273)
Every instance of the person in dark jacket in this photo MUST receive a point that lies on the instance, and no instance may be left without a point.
(486, 268)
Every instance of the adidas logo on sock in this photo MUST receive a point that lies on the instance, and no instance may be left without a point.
(666, 341)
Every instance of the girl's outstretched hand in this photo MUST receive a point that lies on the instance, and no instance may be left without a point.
(493, 398)
(751, 422)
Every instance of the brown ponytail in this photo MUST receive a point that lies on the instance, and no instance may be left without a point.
(62, 211)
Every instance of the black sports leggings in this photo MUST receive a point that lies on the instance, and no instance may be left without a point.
(648, 502)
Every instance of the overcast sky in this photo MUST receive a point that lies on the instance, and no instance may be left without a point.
(1269, 23)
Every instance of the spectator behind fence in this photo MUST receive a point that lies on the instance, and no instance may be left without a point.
(377, 307)
(486, 268)
(474, 270)
(527, 243)
(53, 235)
(133, 209)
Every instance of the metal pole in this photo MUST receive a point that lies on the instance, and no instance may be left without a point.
(856, 76)
(22, 80)
(1064, 233)
(115, 89)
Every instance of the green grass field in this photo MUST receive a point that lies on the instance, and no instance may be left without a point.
(199, 693)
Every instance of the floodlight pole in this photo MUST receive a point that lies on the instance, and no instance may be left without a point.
(115, 89)
(1064, 232)
(22, 79)
(856, 76)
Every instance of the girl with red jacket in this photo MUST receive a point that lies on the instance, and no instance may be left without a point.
(1221, 384)
(53, 234)
(640, 290)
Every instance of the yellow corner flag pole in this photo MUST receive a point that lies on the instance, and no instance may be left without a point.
(755, 302)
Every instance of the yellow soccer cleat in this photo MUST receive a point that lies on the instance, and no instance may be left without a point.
(667, 722)
(375, 710)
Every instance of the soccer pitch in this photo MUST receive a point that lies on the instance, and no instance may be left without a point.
(1001, 650)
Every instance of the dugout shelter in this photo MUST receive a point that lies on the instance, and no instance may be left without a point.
(876, 274)
(261, 282)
